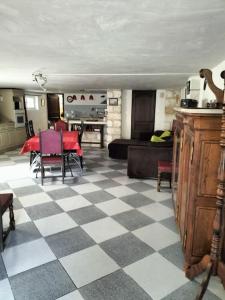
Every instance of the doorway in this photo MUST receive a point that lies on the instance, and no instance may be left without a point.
(143, 114)
(55, 106)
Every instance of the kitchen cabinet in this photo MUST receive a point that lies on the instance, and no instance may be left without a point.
(196, 156)
(11, 137)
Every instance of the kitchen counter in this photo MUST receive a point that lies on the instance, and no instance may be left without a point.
(90, 122)
(100, 124)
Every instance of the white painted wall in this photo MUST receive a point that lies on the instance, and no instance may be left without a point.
(160, 109)
(126, 114)
(40, 116)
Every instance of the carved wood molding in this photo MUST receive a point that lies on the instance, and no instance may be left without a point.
(207, 74)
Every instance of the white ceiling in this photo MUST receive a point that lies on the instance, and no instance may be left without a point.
(99, 44)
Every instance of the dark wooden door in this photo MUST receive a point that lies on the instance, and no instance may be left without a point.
(143, 114)
(53, 107)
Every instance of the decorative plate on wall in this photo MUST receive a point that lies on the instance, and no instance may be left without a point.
(69, 99)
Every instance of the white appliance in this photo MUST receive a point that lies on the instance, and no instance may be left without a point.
(19, 117)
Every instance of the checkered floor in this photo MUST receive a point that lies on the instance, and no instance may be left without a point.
(101, 236)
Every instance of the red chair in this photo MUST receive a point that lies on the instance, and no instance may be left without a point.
(61, 125)
(164, 171)
(51, 151)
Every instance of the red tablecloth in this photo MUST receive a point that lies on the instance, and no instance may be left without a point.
(70, 142)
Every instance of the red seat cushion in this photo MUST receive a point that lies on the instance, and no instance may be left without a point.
(5, 201)
(51, 160)
(164, 166)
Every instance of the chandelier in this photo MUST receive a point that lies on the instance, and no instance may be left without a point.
(40, 79)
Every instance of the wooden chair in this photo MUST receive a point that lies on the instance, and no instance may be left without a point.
(51, 151)
(61, 125)
(6, 201)
(31, 128)
(164, 172)
(30, 133)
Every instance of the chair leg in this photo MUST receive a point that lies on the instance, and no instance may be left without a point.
(63, 170)
(42, 175)
(81, 162)
(158, 182)
(68, 163)
(1, 235)
(11, 218)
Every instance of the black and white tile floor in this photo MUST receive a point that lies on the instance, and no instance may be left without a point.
(101, 236)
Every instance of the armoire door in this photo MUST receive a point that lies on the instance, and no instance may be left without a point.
(143, 113)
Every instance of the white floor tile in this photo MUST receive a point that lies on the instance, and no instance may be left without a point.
(95, 177)
(157, 196)
(157, 211)
(88, 265)
(113, 207)
(26, 256)
(51, 187)
(72, 296)
(5, 290)
(54, 224)
(156, 236)
(21, 183)
(34, 199)
(72, 203)
(20, 217)
(125, 180)
(86, 188)
(156, 275)
(104, 229)
(120, 191)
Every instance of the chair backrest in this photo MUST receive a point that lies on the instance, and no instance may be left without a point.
(31, 128)
(51, 142)
(81, 133)
(61, 125)
(27, 130)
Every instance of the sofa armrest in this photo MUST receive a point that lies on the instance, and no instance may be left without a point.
(143, 160)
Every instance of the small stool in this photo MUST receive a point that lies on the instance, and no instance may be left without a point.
(6, 201)
(164, 167)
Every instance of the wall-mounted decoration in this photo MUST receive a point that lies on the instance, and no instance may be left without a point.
(113, 101)
(69, 99)
(188, 87)
(91, 97)
(74, 97)
(82, 97)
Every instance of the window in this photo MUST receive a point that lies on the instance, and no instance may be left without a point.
(31, 102)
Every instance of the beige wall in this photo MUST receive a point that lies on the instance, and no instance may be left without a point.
(40, 116)
(7, 104)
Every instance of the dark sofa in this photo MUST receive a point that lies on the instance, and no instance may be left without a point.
(142, 155)
(143, 160)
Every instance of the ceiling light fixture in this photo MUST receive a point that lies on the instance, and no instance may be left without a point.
(40, 79)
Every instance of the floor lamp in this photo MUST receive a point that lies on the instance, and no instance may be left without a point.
(213, 263)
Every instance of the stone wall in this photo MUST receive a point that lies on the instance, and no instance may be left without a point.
(114, 119)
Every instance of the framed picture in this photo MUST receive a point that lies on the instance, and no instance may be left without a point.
(113, 101)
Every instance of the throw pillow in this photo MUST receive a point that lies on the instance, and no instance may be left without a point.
(155, 138)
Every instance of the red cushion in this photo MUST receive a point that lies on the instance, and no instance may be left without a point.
(5, 201)
(52, 160)
(164, 166)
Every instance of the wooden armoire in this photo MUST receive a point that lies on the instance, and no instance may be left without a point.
(196, 156)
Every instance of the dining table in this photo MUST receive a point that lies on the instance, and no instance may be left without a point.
(70, 142)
